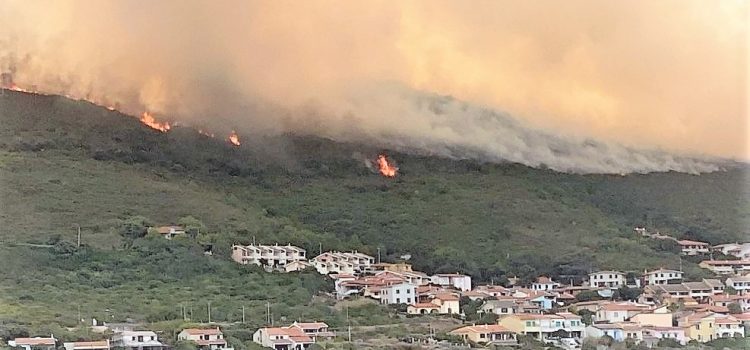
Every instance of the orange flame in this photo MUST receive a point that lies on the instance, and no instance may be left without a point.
(149, 120)
(385, 168)
(234, 138)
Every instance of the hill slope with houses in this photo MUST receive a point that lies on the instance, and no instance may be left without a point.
(70, 167)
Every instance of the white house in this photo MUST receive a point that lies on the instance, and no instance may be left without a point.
(618, 312)
(269, 256)
(452, 280)
(688, 247)
(728, 327)
(726, 267)
(342, 262)
(740, 250)
(544, 283)
(137, 340)
(283, 338)
(170, 232)
(87, 345)
(739, 283)
(676, 333)
(206, 339)
(36, 343)
(607, 279)
(400, 293)
(662, 276)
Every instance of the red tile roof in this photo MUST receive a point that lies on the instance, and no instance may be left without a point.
(485, 328)
(35, 341)
(198, 331)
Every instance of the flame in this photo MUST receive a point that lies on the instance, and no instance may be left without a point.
(385, 168)
(234, 138)
(149, 120)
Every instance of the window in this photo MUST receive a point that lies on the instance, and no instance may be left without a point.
(398, 291)
(408, 291)
(529, 323)
(482, 335)
(408, 300)
(152, 338)
(504, 310)
(140, 338)
(398, 300)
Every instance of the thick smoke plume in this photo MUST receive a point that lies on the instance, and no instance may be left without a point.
(636, 75)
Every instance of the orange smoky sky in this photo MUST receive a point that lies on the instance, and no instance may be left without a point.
(652, 74)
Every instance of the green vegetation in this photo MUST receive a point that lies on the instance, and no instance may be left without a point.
(65, 164)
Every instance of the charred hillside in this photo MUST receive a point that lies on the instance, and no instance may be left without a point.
(70, 162)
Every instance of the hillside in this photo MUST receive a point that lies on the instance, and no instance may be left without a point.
(65, 163)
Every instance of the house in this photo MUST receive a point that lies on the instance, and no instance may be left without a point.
(621, 331)
(206, 339)
(454, 280)
(660, 317)
(396, 267)
(544, 300)
(726, 267)
(88, 345)
(297, 265)
(544, 326)
(137, 340)
(688, 247)
(716, 286)
(699, 290)
(607, 279)
(662, 276)
(544, 283)
(423, 309)
(494, 291)
(170, 232)
(740, 250)
(618, 312)
(499, 307)
(268, 256)
(699, 326)
(315, 330)
(724, 300)
(400, 293)
(657, 333)
(354, 263)
(739, 283)
(36, 343)
(283, 338)
(413, 277)
(486, 334)
(448, 302)
(728, 326)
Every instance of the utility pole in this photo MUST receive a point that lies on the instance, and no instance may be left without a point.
(209, 312)
(378, 255)
(320, 248)
(243, 314)
(268, 313)
(79, 236)
(349, 324)
(253, 240)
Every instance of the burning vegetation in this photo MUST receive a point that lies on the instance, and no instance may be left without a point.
(385, 167)
(234, 138)
(149, 120)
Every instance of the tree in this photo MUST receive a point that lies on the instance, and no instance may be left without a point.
(587, 295)
(134, 227)
(668, 343)
(192, 225)
(734, 308)
(627, 293)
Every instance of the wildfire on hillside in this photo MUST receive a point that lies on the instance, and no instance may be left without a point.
(386, 168)
(234, 138)
(149, 120)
